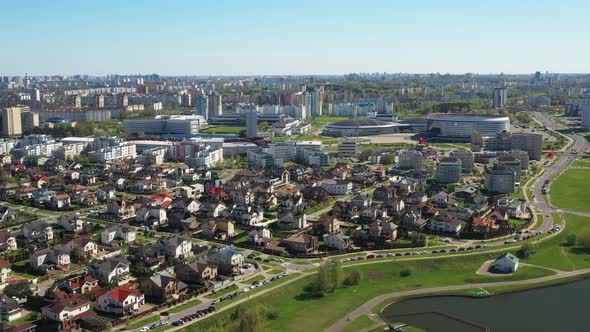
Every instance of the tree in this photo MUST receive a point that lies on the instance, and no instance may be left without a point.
(329, 276)
(18, 289)
(526, 250)
(263, 126)
(584, 239)
(251, 318)
(570, 240)
(353, 277)
(388, 159)
(366, 154)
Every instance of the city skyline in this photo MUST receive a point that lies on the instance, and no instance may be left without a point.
(265, 38)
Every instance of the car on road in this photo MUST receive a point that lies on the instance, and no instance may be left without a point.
(144, 329)
(452, 250)
(179, 322)
(360, 258)
(390, 254)
(370, 256)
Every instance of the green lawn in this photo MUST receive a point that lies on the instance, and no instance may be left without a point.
(298, 312)
(144, 322)
(253, 279)
(570, 190)
(223, 130)
(277, 271)
(581, 163)
(185, 306)
(361, 322)
(552, 253)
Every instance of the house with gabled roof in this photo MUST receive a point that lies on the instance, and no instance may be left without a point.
(506, 263)
(122, 300)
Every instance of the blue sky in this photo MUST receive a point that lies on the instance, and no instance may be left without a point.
(223, 37)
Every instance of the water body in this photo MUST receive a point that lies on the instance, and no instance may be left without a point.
(558, 308)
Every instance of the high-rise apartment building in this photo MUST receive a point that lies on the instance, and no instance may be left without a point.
(448, 170)
(99, 101)
(215, 104)
(316, 103)
(122, 100)
(11, 122)
(585, 110)
(251, 122)
(202, 105)
(500, 97)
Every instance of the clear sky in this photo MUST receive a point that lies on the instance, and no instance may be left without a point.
(224, 37)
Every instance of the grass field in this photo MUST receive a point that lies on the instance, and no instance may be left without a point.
(253, 279)
(570, 190)
(299, 312)
(360, 323)
(223, 130)
(581, 163)
(552, 253)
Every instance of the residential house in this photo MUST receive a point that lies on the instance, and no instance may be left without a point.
(412, 220)
(382, 230)
(151, 216)
(7, 214)
(37, 231)
(111, 270)
(189, 205)
(228, 260)
(124, 233)
(384, 193)
(362, 201)
(7, 241)
(121, 209)
(395, 205)
(161, 287)
(80, 284)
(337, 187)
(67, 311)
(60, 201)
(71, 223)
(220, 229)
(301, 243)
(148, 256)
(10, 309)
(259, 236)
(327, 224)
(337, 241)
(195, 272)
(484, 225)
(5, 271)
(515, 208)
(183, 221)
(122, 300)
(507, 263)
(443, 223)
(83, 247)
(442, 199)
(373, 213)
(45, 259)
(292, 220)
(105, 193)
(177, 245)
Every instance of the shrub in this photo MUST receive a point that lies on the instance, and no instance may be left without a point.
(526, 251)
(584, 239)
(570, 240)
(405, 272)
(352, 278)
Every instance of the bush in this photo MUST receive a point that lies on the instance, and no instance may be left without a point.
(570, 240)
(352, 278)
(584, 239)
(405, 273)
(526, 251)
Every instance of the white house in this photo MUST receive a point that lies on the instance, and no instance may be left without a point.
(177, 245)
(120, 301)
(336, 187)
(42, 259)
(124, 233)
(71, 223)
(113, 269)
(66, 310)
(337, 241)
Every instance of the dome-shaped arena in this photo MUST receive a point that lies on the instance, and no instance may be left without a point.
(359, 127)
